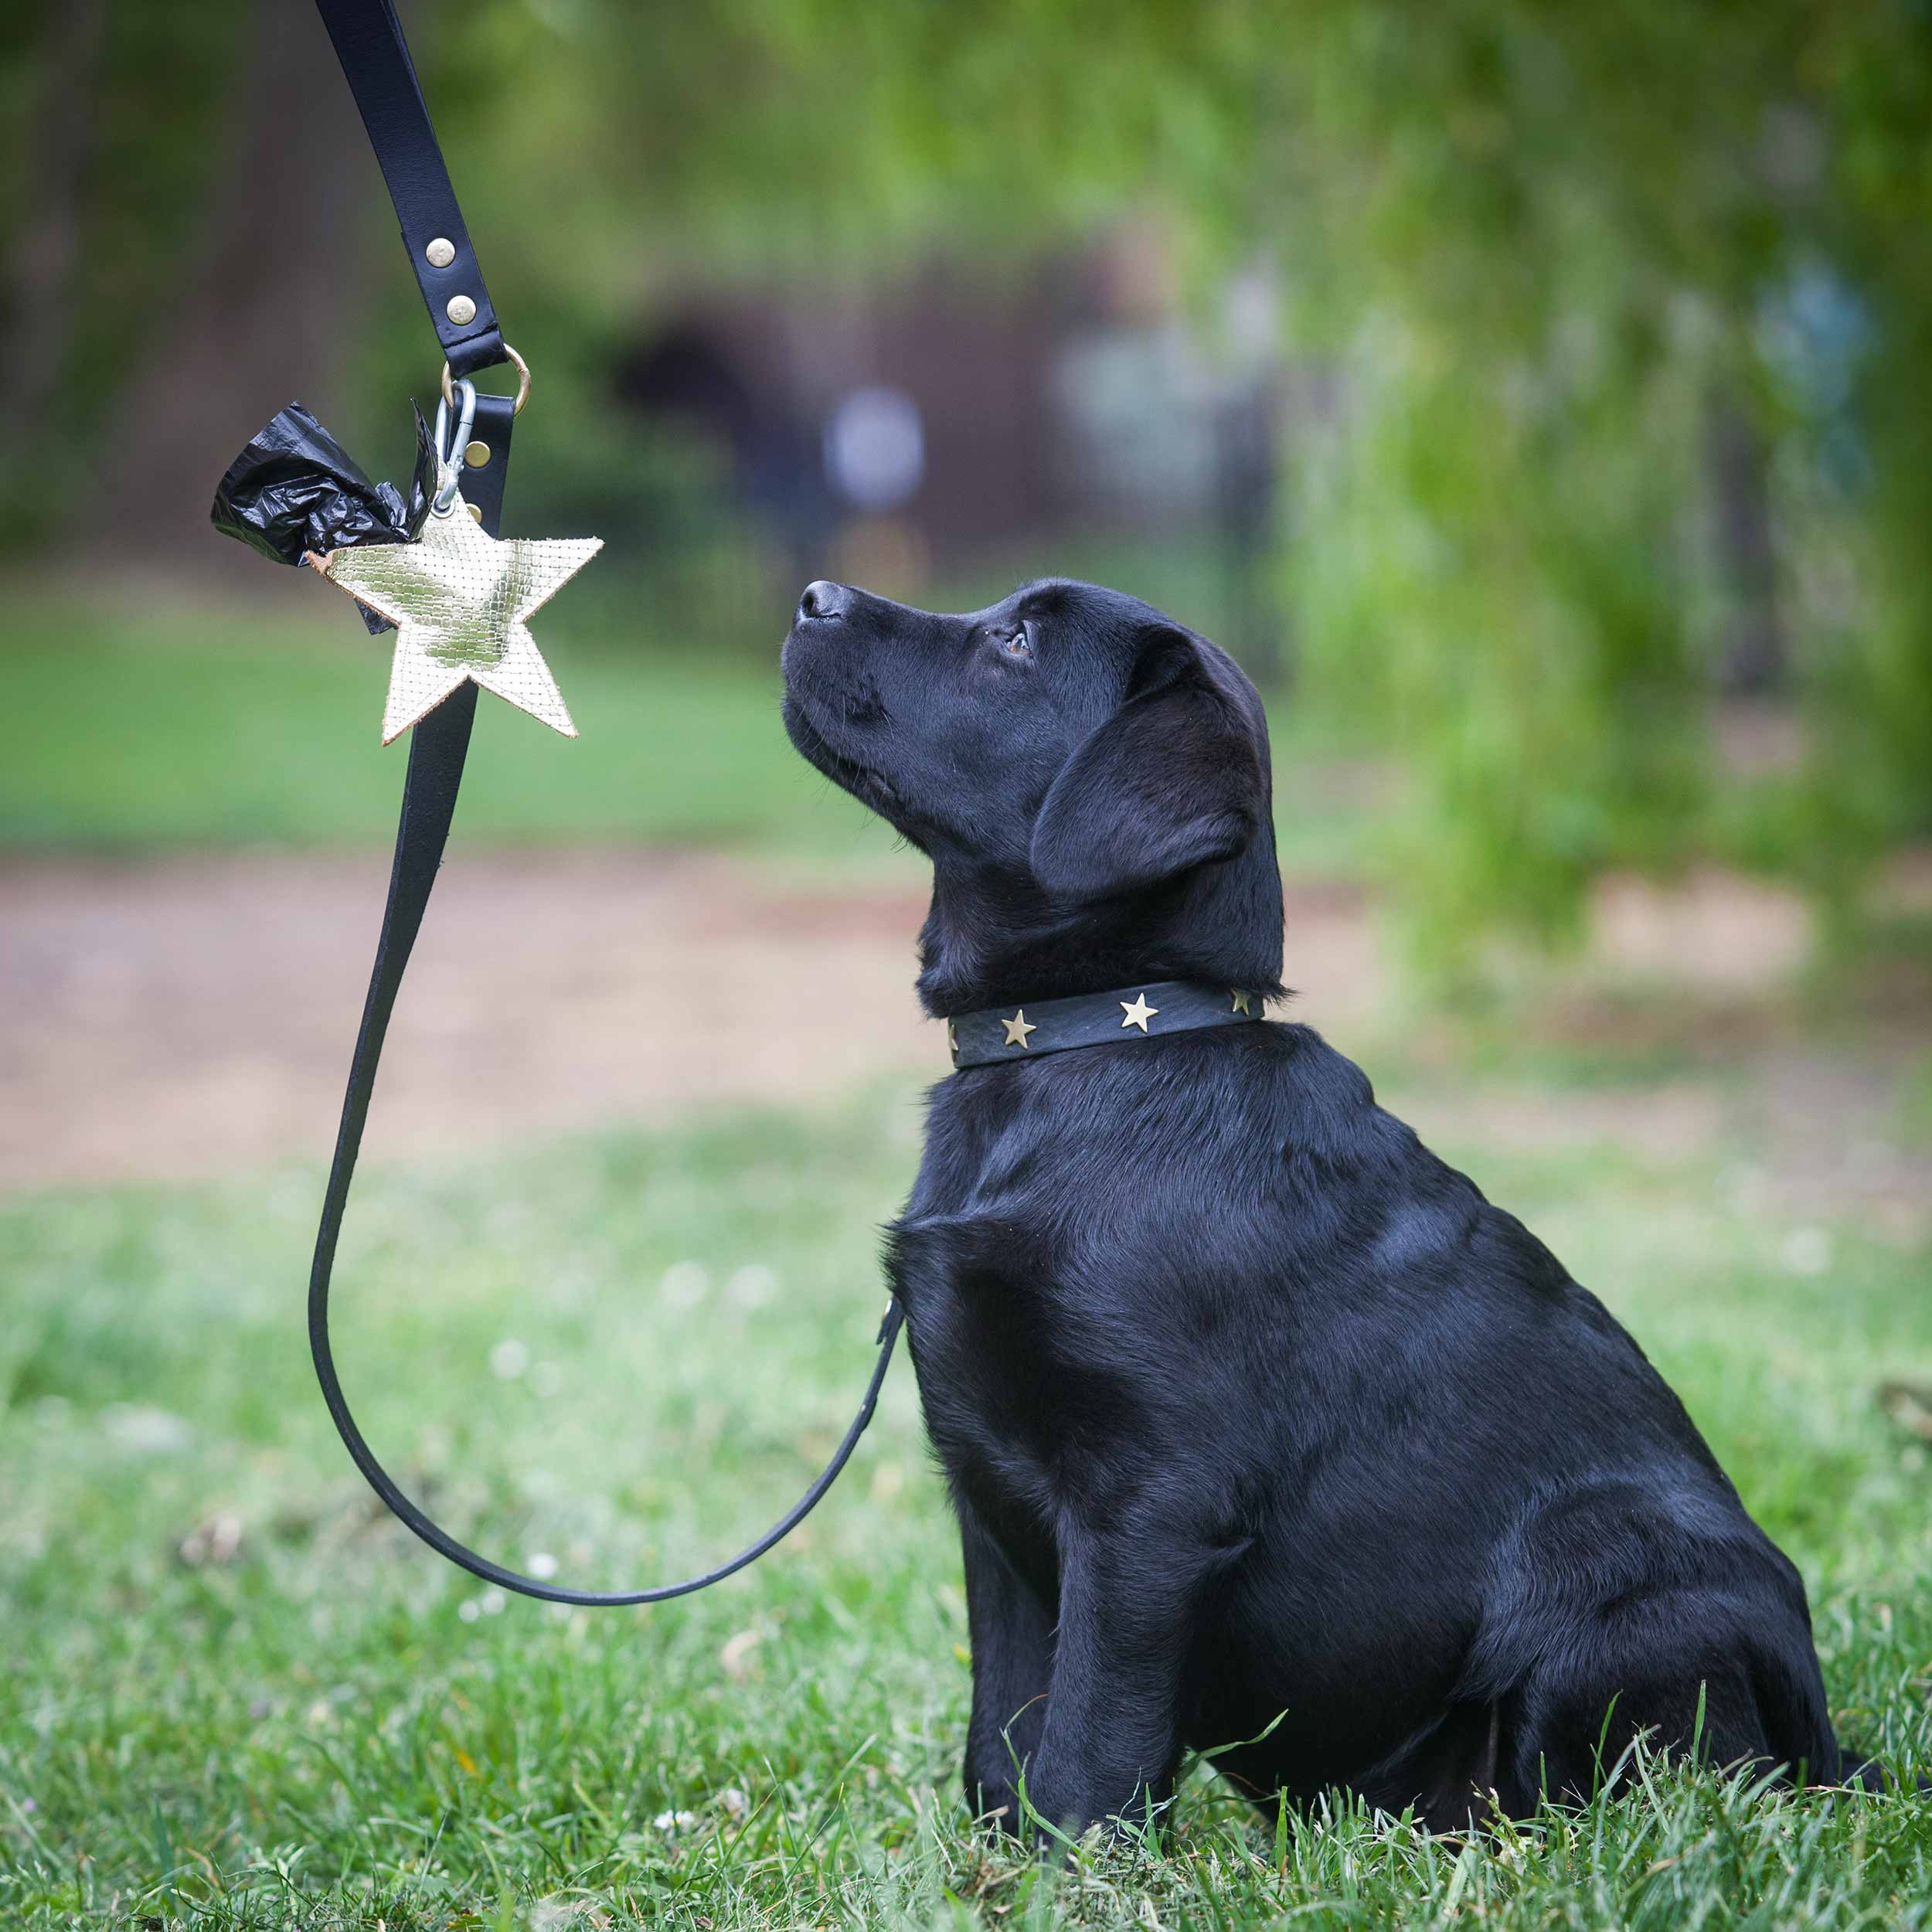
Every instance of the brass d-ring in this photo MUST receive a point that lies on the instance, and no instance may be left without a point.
(522, 382)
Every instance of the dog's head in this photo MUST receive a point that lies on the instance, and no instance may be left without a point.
(1090, 778)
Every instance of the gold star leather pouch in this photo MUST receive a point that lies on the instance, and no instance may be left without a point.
(459, 601)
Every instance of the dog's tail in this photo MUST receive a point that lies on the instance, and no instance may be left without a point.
(1860, 1771)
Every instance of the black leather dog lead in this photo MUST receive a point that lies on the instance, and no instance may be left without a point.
(375, 62)
(369, 44)
(1097, 1019)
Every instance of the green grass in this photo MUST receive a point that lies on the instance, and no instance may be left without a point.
(147, 730)
(141, 729)
(627, 1353)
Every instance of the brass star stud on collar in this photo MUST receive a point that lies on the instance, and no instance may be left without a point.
(1243, 1001)
(459, 600)
(1137, 1011)
(1018, 1028)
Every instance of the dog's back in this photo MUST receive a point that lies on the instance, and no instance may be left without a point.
(1453, 1514)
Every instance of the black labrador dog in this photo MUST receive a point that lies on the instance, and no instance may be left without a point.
(1263, 1426)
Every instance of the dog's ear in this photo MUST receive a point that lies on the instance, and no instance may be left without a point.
(1173, 780)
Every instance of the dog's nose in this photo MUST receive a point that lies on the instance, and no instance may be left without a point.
(824, 601)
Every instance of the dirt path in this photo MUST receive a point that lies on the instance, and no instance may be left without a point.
(192, 1016)
(189, 1016)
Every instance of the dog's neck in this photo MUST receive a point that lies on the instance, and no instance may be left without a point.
(992, 937)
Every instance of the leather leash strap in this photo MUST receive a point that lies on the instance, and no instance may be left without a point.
(368, 42)
(375, 62)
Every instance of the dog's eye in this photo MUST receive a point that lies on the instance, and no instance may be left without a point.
(1018, 643)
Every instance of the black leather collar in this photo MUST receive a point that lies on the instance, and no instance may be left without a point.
(1096, 1020)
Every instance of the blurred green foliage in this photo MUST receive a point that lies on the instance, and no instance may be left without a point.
(1538, 250)
(1555, 241)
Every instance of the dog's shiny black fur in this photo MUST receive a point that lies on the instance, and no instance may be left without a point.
(1253, 1412)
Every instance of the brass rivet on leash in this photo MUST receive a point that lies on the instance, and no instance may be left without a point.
(460, 310)
(441, 252)
(476, 454)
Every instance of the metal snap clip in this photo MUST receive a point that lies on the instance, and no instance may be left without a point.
(449, 451)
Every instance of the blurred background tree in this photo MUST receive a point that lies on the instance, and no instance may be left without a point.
(1551, 382)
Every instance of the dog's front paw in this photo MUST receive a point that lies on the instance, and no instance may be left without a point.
(995, 1801)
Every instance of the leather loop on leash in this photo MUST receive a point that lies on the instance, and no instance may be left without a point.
(375, 62)
(368, 42)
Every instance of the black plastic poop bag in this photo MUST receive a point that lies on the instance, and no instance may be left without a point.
(294, 489)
